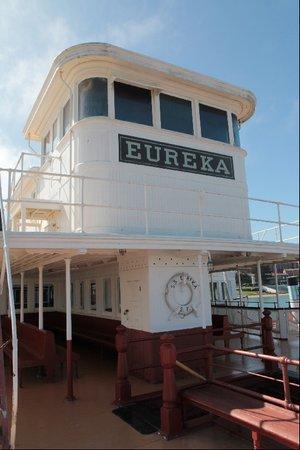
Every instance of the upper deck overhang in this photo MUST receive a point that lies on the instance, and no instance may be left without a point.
(79, 54)
(226, 254)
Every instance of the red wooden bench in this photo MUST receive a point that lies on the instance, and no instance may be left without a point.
(36, 348)
(96, 330)
(260, 417)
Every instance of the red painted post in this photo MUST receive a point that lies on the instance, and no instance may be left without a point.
(267, 339)
(123, 387)
(256, 440)
(208, 355)
(170, 412)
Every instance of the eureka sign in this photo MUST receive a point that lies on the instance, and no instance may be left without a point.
(167, 156)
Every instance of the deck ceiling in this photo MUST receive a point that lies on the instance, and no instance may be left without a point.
(53, 261)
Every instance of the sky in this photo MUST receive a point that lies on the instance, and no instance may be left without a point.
(252, 44)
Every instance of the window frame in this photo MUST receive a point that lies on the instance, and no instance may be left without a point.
(65, 131)
(26, 304)
(90, 283)
(36, 295)
(138, 86)
(228, 120)
(181, 97)
(108, 82)
(104, 311)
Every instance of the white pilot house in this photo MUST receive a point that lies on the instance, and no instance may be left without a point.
(138, 195)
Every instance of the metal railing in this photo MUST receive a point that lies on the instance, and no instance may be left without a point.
(70, 193)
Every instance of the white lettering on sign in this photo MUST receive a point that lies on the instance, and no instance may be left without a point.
(222, 167)
(189, 160)
(173, 157)
(152, 151)
(132, 148)
(206, 163)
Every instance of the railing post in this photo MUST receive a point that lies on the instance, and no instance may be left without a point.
(286, 383)
(279, 222)
(208, 340)
(267, 339)
(123, 387)
(170, 412)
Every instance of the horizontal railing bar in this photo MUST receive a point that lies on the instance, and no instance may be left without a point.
(130, 182)
(264, 397)
(119, 207)
(236, 369)
(279, 359)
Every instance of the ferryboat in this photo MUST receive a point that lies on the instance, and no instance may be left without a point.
(117, 238)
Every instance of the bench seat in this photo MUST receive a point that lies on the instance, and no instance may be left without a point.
(270, 420)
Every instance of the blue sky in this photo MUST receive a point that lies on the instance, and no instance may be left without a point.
(253, 44)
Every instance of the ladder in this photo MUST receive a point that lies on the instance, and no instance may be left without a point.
(8, 436)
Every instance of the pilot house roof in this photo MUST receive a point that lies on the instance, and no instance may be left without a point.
(152, 71)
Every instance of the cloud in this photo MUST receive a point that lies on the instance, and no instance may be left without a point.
(31, 36)
(8, 152)
(22, 81)
(131, 33)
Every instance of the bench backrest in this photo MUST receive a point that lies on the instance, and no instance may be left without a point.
(40, 343)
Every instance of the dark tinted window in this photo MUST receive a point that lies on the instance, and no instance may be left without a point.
(133, 104)
(17, 296)
(176, 114)
(48, 295)
(92, 98)
(66, 117)
(93, 297)
(214, 123)
(236, 130)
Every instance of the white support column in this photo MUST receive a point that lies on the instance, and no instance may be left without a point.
(70, 393)
(276, 284)
(260, 286)
(22, 298)
(41, 299)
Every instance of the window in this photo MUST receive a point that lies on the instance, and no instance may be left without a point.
(236, 130)
(214, 123)
(66, 117)
(92, 98)
(93, 298)
(215, 291)
(133, 104)
(225, 293)
(118, 295)
(107, 295)
(48, 295)
(17, 296)
(81, 294)
(176, 114)
(55, 138)
(46, 144)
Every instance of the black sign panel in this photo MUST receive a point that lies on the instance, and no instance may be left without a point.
(135, 150)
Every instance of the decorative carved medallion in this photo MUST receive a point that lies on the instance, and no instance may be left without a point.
(182, 295)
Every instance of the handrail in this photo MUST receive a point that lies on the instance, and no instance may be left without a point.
(130, 182)
(15, 196)
(14, 408)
